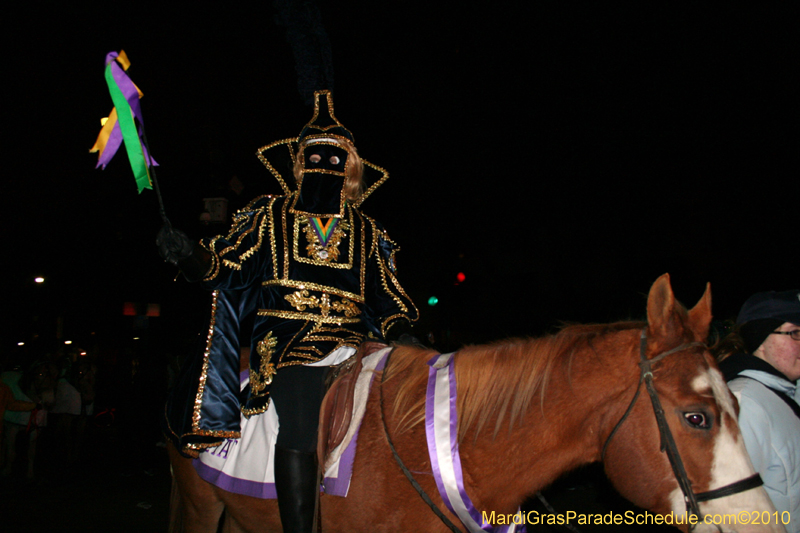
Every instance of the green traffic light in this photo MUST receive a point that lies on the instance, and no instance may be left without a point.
(433, 300)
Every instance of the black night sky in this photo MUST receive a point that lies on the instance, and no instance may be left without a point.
(561, 157)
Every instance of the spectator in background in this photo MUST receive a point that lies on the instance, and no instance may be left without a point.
(9, 403)
(763, 376)
(63, 417)
(34, 385)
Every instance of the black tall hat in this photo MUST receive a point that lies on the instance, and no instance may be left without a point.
(324, 122)
(280, 156)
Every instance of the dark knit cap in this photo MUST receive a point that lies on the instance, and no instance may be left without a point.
(765, 312)
(784, 306)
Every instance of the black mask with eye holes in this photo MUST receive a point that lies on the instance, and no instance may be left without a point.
(322, 182)
(325, 157)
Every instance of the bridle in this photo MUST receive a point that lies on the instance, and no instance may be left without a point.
(668, 442)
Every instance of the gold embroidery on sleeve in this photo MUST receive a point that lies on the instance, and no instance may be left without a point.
(266, 370)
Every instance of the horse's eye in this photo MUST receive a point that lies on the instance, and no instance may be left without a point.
(697, 420)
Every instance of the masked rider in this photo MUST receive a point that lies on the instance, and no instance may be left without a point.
(316, 276)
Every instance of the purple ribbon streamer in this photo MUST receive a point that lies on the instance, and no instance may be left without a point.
(131, 94)
(112, 145)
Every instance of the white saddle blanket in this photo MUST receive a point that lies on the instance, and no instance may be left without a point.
(245, 465)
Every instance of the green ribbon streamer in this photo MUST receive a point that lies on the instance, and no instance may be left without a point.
(127, 126)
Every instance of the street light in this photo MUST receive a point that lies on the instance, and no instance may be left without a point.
(38, 279)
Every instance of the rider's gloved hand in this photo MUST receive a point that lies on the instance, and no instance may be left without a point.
(173, 244)
(175, 247)
(400, 334)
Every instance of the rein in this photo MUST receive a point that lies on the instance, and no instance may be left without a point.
(668, 441)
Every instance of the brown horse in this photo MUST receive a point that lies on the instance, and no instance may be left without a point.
(529, 411)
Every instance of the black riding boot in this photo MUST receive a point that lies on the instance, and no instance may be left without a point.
(297, 488)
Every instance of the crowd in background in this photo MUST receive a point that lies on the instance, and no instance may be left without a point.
(54, 407)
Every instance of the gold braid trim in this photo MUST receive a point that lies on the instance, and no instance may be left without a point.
(291, 363)
(383, 270)
(286, 244)
(403, 293)
(271, 218)
(292, 315)
(383, 178)
(213, 271)
(364, 258)
(297, 352)
(309, 349)
(258, 223)
(198, 399)
(214, 433)
(318, 331)
(275, 173)
(254, 201)
(389, 322)
(205, 433)
(373, 245)
(314, 287)
(354, 339)
(243, 234)
(291, 342)
(248, 412)
(257, 246)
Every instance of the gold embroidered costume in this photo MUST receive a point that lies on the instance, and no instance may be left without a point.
(308, 268)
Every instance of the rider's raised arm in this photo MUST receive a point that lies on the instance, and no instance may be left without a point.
(241, 257)
(231, 261)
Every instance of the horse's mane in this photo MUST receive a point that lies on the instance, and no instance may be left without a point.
(495, 381)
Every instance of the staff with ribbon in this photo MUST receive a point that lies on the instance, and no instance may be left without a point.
(121, 125)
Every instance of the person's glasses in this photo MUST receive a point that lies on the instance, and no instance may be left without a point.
(795, 333)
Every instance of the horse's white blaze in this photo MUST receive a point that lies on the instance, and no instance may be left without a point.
(721, 392)
(678, 503)
(701, 383)
(731, 463)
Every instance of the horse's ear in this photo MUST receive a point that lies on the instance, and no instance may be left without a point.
(700, 316)
(661, 319)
